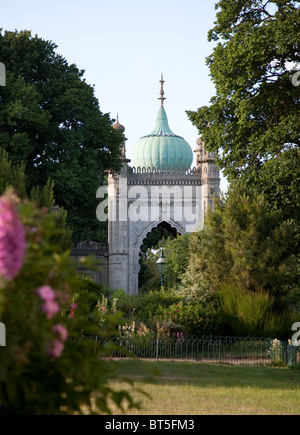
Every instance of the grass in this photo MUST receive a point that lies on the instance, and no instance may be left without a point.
(181, 388)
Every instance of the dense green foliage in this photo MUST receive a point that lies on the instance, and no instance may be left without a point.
(239, 275)
(149, 278)
(254, 116)
(241, 272)
(50, 121)
(47, 367)
(279, 180)
(247, 256)
(251, 313)
(176, 250)
(249, 247)
(253, 119)
(243, 241)
(13, 176)
(32, 380)
(167, 313)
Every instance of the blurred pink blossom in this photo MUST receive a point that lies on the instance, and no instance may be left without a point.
(61, 332)
(50, 308)
(12, 239)
(56, 349)
(46, 293)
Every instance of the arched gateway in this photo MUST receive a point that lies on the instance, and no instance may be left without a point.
(160, 186)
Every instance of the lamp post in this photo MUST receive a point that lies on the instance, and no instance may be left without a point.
(160, 264)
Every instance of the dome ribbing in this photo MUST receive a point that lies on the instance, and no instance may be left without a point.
(162, 149)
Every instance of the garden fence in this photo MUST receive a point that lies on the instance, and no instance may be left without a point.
(231, 350)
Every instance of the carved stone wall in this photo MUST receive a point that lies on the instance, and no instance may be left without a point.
(139, 199)
(101, 253)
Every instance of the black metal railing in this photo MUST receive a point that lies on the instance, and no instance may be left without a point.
(231, 350)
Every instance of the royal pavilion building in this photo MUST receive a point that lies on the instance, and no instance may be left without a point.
(159, 186)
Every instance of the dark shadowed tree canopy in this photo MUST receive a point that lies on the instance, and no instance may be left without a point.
(50, 120)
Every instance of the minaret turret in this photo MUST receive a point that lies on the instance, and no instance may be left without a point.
(210, 175)
(121, 129)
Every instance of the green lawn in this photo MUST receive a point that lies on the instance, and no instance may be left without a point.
(181, 388)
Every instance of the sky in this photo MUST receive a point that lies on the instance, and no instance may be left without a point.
(124, 46)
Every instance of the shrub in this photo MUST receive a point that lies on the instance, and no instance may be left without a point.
(194, 318)
(136, 332)
(168, 311)
(46, 366)
(129, 305)
(251, 313)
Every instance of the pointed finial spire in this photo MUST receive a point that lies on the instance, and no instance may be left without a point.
(161, 98)
(118, 126)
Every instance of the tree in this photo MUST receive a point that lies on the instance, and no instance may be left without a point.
(278, 181)
(149, 278)
(50, 120)
(177, 253)
(246, 244)
(209, 262)
(13, 177)
(254, 116)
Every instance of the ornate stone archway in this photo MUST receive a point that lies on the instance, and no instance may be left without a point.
(126, 235)
(136, 249)
(178, 194)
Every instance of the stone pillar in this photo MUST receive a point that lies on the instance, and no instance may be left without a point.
(118, 233)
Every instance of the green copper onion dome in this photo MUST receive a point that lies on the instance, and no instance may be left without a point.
(162, 149)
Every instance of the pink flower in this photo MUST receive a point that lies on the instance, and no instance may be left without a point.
(61, 332)
(46, 293)
(12, 239)
(50, 308)
(56, 349)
